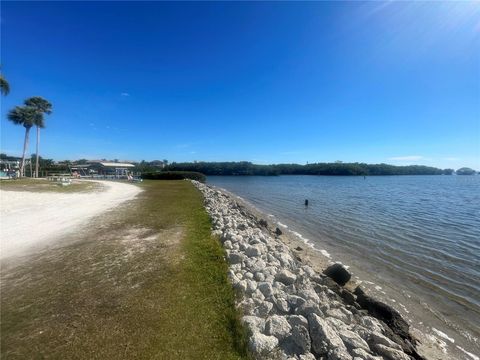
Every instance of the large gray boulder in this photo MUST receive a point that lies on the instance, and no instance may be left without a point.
(353, 340)
(324, 338)
(301, 339)
(254, 323)
(390, 353)
(277, 326)
(262, 344)
(285, 277)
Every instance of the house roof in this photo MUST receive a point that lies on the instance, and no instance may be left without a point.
(116, 164)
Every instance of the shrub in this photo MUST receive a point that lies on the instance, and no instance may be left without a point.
(175, 175)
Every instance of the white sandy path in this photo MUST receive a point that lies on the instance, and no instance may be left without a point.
(29, 219)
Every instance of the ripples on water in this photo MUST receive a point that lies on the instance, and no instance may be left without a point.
(422, 232)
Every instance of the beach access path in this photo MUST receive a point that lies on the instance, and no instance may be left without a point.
(29, 220)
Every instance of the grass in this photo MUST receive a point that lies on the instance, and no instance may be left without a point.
(43, 185)
(147, 281)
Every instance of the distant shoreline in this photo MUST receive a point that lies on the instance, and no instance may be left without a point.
(244, 168)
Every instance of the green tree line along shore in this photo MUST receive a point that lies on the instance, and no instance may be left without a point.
(337, 168)
(245, 168)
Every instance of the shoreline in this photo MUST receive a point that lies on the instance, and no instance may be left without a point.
(434, 344)
(298, 305)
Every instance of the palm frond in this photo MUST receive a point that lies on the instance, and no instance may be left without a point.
(24, 115)
(4, 86)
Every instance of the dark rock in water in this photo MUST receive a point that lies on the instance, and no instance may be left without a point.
(399, 327)
(338, 273)
(350, 298)
(278, 232)
(263, 223)
(298, 248)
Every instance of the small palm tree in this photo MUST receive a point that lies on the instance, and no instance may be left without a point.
(4, 86)
(42, 106)
(27, 117)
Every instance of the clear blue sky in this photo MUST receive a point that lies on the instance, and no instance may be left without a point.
(395, 82)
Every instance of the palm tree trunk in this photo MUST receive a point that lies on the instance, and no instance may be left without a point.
(25, 147)
(36, 152)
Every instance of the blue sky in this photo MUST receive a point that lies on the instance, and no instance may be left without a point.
(395, 82)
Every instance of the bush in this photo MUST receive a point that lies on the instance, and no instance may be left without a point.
(175, 175)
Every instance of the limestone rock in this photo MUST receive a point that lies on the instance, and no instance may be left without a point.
(285, 277)
(301, 338)
(353, 340)
(390, 353)
(262, 344)
(277, 326)
(254, 323)
(324, 338)
(266, 289)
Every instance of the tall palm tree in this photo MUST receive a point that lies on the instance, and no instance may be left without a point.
(4, 86)
(42, 106)
(27, 117)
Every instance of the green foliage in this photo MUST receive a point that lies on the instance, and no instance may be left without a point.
(41, 106)
(24, 115)
(465, 171)
(4, 86)
(337, 168)
(175, 175)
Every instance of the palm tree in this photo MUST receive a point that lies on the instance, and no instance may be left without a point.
(27, 117)
(4, 86)
(42, 106)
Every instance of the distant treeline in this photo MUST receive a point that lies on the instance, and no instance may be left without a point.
(174, 175)
(337, 168)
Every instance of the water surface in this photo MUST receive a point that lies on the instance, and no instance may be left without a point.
(418, 235)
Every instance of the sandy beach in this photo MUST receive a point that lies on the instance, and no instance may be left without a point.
(30, 220)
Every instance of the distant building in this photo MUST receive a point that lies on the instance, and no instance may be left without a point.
(158, 163)
(102, 168)
(6, 165)
(107, 168)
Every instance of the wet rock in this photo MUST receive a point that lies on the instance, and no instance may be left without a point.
(384, 312)
(338, 273)
(278, 232)
(263, 223)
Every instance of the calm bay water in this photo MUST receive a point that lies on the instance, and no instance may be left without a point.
(415, 235)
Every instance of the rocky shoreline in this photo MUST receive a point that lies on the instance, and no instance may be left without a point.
(293, 311)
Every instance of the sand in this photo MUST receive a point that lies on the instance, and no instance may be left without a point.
(30, 220)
